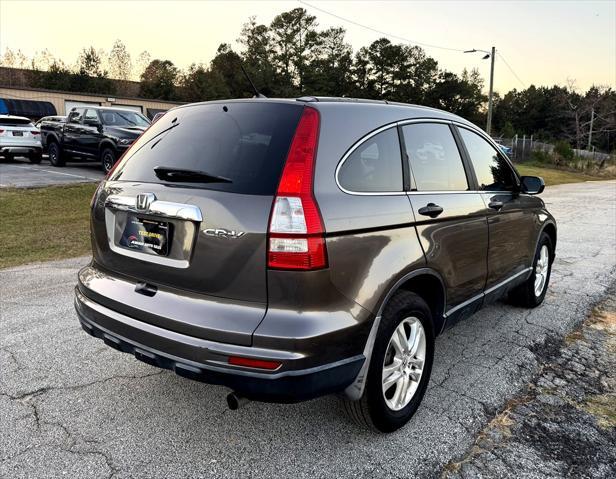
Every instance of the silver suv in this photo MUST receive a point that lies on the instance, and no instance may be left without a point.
(19, 137)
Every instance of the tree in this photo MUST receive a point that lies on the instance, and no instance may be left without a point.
(200, 84)
(257, 56)
(8, 59)
(458, 94)
(143, 60)
(42, 60)
(384, 58)
(226, 64)
(294, 36)
(330, 70)
(89, 63)
(120, 63)
(158, 80)
(414, 75)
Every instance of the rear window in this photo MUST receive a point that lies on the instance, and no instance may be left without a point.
(244, 142)
(15, 121)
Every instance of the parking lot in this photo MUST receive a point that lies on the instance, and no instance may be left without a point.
(20, 173)
(72, 407)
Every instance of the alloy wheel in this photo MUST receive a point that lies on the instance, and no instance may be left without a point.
(541, 270)
(403, 364)
(108, 161)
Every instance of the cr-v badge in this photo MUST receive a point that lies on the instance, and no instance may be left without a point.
(223, 233)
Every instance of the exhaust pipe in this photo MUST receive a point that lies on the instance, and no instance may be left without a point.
(234, 401)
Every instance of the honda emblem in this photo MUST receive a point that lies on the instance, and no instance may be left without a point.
(144, 200)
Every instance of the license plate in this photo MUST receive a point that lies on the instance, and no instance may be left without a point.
(146, 236)
(18, 133)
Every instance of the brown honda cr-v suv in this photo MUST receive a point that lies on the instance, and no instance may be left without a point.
(289, 249)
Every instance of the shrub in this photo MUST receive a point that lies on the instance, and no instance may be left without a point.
(541, 156)
(564, 151)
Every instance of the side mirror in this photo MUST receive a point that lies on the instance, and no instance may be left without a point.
(532, 185)
(92, 122)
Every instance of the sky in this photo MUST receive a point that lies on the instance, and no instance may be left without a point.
(538, 42)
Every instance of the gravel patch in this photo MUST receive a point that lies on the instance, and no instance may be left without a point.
(564, 423)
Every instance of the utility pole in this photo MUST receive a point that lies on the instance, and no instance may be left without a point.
(492, 56)
(489, 123)
(592, 119)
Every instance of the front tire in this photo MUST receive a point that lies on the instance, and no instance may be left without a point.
(108, 159)
(400, 366)
(531, 293)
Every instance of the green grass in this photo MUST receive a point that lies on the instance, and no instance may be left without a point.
(553, 176)
(53, 223)
(44, 223)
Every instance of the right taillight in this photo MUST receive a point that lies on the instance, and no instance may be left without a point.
(296, 234)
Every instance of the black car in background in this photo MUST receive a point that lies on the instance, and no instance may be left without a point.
(92, 133)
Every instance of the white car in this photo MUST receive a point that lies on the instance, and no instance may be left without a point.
(19, 137)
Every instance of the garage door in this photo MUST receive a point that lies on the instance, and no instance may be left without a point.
(128, 107)
(68, 104)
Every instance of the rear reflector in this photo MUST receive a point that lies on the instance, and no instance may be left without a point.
(254, 363)
(296, 230)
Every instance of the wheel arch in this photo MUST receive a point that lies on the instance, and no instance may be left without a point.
(549, 228)
(429, 285)
(52, 138)
(106, 143)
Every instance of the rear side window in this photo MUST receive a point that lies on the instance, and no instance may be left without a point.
(244, 142)
(374, 166)
(434, 158)
(492, 170)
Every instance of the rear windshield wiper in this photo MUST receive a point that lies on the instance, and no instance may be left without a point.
(190, 176)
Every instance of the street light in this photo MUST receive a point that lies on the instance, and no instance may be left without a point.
(487, 55)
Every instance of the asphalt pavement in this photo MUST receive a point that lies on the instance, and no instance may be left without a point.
(20, 173)
(72, 407)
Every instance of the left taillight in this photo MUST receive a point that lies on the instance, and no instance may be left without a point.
(296, 238)
(35, 132)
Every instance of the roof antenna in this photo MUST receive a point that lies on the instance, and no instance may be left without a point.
(257, 94)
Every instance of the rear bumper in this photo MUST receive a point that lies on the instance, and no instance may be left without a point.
(177, 352)
(21, 149)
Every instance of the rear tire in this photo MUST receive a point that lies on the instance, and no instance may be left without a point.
(35, 158)
(108, 159)
(56, 158)
(381, 408)
(531, 293)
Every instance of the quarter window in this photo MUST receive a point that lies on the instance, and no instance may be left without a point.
(492, 170)
(75, 116)
(434, 158)
(374, 166)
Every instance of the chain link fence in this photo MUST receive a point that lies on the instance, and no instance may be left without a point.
(520, 149)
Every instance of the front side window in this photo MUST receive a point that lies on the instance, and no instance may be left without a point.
(75, 116)
(375, 166)
(434, 158)
(492, 170)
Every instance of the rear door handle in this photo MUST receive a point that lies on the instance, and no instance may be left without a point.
(495, 205)
(431, 209)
